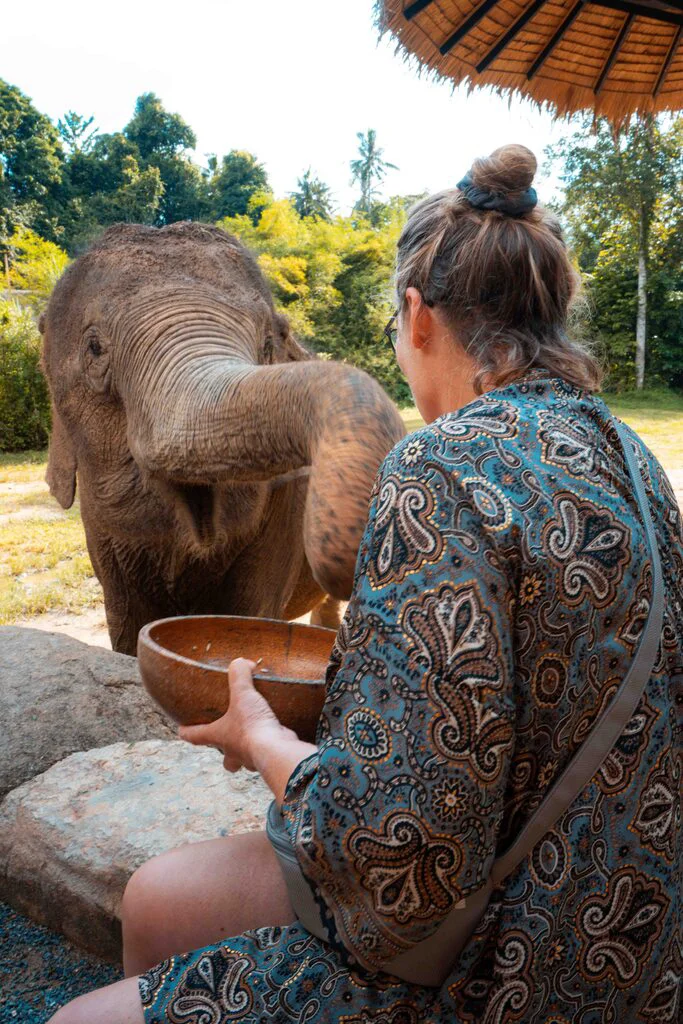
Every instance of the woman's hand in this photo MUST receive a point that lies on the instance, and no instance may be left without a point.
(246, 726)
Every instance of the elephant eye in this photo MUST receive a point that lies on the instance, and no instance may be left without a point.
(96, 366)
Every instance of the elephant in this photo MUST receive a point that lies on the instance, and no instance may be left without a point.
(221, 467)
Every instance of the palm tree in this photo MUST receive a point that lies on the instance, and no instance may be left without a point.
(369, 169)
(312, 198)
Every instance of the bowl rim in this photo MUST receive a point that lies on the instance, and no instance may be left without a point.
(147, 641)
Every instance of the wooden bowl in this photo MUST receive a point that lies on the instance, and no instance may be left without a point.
(184, 666)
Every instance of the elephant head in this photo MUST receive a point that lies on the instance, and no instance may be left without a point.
(172, 377)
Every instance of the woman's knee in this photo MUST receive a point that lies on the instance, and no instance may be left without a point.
(144, 894)
(119, 1003)
(144, 913)
(64, 1016)
(75, 1012)
(78, 1011)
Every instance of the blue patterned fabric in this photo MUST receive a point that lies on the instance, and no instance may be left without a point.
(501, 588)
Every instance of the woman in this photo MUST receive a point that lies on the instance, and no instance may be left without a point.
(501, 589)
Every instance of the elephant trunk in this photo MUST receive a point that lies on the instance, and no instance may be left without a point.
(219, 419)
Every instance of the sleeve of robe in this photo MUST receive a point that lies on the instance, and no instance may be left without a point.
(395, 818)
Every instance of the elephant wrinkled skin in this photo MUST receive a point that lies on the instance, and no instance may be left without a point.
(221, 468)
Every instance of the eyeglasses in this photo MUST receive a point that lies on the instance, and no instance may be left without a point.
(391, 329)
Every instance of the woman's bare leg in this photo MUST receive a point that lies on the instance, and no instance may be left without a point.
(119, 1003)
(199, 894)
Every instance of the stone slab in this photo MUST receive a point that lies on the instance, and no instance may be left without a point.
(58, 695)
(71, 838)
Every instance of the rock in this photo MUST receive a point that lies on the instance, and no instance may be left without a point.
(58, 695)
(71, 838)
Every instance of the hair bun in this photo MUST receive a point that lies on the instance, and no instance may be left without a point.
(507, 170)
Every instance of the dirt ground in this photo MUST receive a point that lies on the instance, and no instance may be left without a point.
(90, 626)
(40, 971)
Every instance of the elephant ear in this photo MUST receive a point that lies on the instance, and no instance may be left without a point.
(291, 350)
(61, 463)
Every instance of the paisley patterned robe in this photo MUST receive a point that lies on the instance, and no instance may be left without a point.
(501, 588)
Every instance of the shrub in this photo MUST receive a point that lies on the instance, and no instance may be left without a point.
(24, 401)
(35, 264)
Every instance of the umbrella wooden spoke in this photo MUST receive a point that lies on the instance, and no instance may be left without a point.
(554, 39)
(613, 56)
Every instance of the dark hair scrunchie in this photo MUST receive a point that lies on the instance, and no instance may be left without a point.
(483, 199)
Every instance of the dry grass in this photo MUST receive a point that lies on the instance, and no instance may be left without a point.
(44, 564)
(658, 419)
(22, 467)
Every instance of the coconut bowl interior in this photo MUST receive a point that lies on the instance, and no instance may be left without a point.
(184, 666)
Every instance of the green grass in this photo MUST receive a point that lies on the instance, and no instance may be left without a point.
(37, 544)
(22, 467)
(649, 400)
(72, 587)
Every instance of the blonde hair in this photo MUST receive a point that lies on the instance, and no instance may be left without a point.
(505, 284)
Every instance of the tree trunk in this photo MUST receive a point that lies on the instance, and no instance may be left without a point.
(9, 283)
(641, 316)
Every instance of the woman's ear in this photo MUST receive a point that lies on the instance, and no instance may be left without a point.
(417, 319)
(61, 463)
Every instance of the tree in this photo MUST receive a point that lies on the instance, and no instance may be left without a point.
(101, 168)
(312, 198)
(155, 131)
(160, 140)
(75, 133)
(185, 193)
(31, 166)
(369, 170)
(232, 185)
(619, 190)
(138, 198)
(105, 185)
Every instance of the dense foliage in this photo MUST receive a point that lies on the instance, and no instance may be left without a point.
(69, 182)
(60, 186)
(332, 277)
(34, 266)
(623, 207)
(24, 403)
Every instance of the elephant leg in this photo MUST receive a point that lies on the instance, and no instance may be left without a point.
(328, 613)
(126, 617)
(132, 595)
(306, 596)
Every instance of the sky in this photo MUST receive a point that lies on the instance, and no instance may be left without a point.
(292, 81)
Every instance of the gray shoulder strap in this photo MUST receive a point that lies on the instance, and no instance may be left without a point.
(616, 716)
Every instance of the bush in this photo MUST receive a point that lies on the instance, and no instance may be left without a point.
(35, 264)
(24, 400)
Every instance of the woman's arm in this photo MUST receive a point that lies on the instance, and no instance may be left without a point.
(276, 756)
(395, 820)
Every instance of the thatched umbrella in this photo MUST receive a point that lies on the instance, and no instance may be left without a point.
(611, 56)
